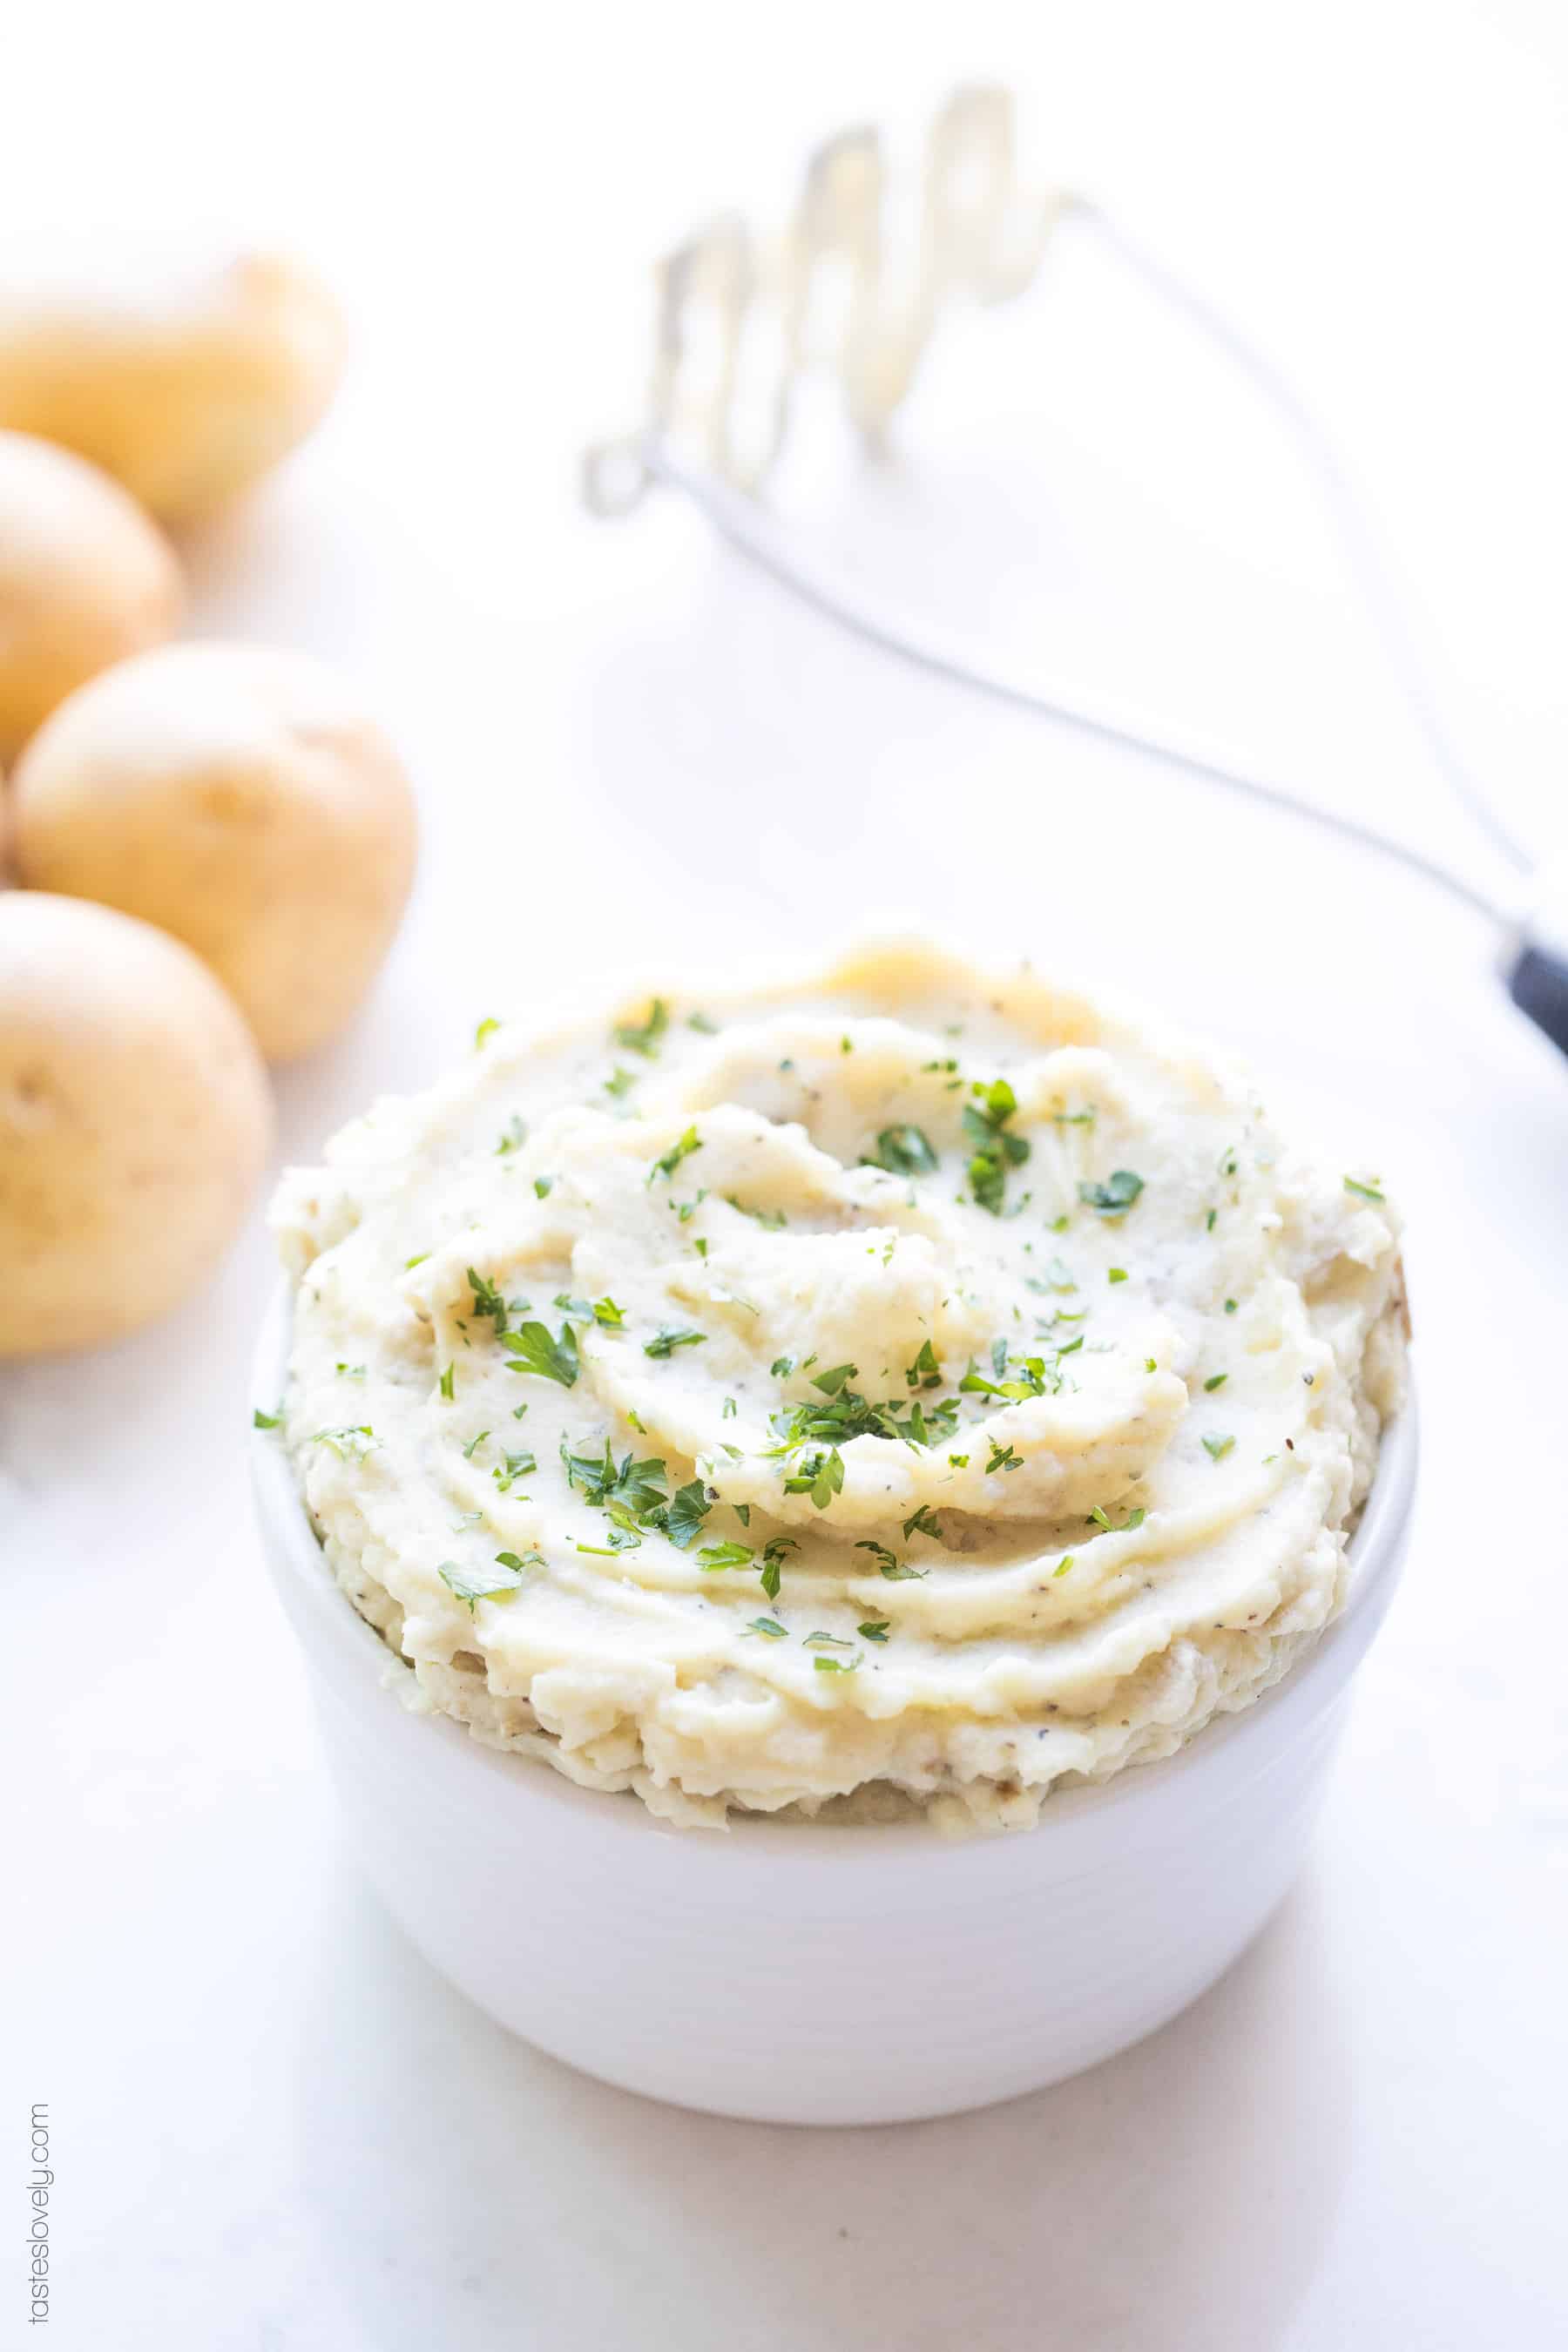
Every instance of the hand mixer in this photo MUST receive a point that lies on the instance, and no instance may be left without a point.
(740, 322)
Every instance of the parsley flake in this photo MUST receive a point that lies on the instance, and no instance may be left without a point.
(820, 1476)
(642, 1036)
(903, 1151)
(726, 1555)
(986, 1123)
(498, 1582)
(691, 1505)
(533, 1351)
(349, 1443)
(665, 1343)
(1115, 1196)
(680, 1150)
(774, 1552)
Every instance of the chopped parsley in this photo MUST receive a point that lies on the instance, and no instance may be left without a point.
(726, 1555)
(447, 1382)
(774, 1552)
(488, 1300)
(665, 1343)
(643, 1036)
(1367, 1192)
(1217, 1448)
(838, 1411)
(349, 1443)
(820, 1475)
(533, 1351)
(514, 1135)
(680, 1150)
(691, 1505)
(637, 1489)
(474, 1445)
(484, 1033)
(260, 1420)
(902, 1151)
(1214, 1381)
(922, 1523)
(511, 1467)
(498, 1582)
(701, 1023)
(1115, 1196)
(774, 1219)
(875, 1629)
(985, 1124)
(769, 1627)
(541, 1186)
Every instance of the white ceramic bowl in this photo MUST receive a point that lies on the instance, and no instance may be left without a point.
(792, 1973)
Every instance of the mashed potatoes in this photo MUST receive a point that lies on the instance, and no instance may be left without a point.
(909, 1387)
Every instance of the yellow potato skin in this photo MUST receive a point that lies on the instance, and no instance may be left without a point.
(85, 579)
(238, 798)
(136, 1118)
(186, 398)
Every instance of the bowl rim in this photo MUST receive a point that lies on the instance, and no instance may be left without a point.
(294, 1551)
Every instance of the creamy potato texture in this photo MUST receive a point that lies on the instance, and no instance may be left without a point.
(907, 1388)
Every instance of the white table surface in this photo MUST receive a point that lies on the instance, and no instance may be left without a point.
(274, 2127)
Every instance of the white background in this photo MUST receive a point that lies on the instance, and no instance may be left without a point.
(273, 2127)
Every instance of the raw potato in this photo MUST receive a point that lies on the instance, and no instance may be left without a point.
(240, 799)
(187, 393)
(134, 1120)
(85, 579)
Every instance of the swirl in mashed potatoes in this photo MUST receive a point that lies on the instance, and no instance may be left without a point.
(911, 1387)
